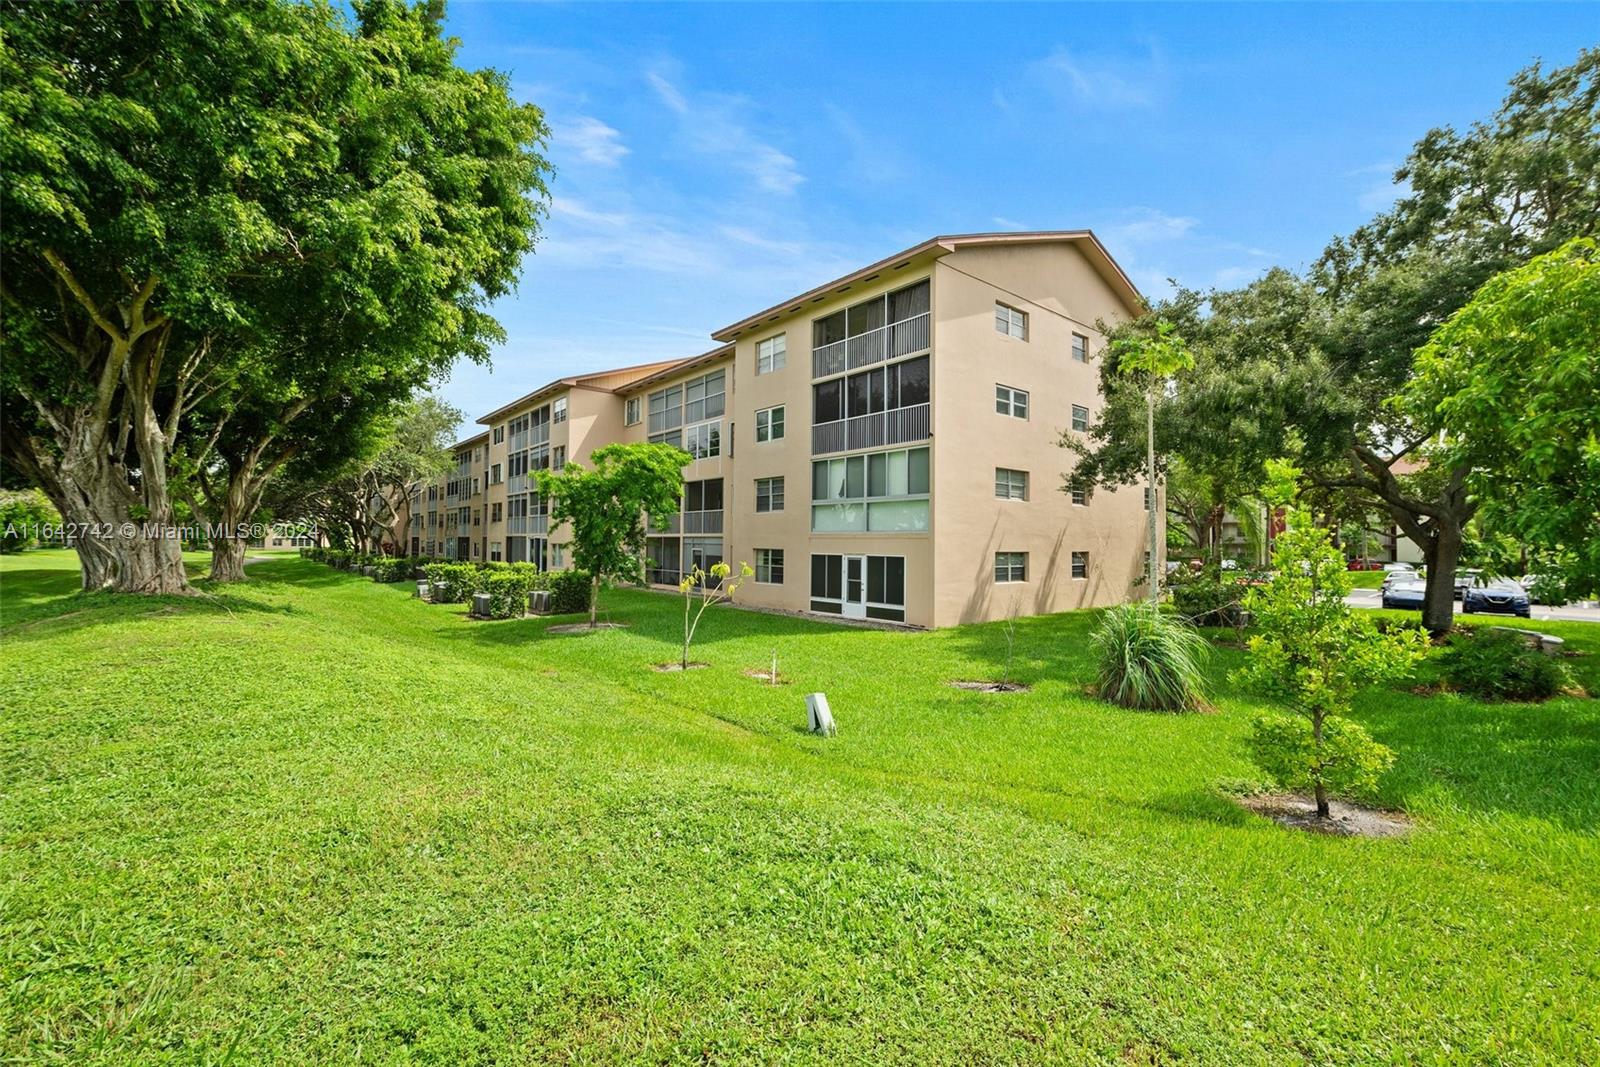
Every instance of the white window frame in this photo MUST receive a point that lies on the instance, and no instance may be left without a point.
(558, 410)
(1010, 321)
(764, 565)
(1007, 402)
(775, 494)
(1006, 566)
(1080, 348)
(1080, 498)
(765, 423)
(631, 411)
(713, 446)
(772, 354)
(1008, 485)
(1077, 419)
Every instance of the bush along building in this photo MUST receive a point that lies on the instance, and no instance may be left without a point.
(884, 446)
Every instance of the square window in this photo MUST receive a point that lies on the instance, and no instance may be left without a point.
(1080, 564)
(1010, 321)
(1010, 566)
(769, 566)
(1009, 401)
(771, 354)
(1080, 418)
(1010, 484)
(1080, 348)
(769, 424)
(769, 494)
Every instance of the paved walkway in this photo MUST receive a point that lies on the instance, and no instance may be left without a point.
(1372, 598)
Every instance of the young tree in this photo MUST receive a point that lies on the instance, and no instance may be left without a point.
(715, 587)
(1514, 380)
(332, 242)
(608, 507)
(1313, 651)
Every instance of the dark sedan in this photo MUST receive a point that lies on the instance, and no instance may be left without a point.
(1405, 594)
(1496, 596)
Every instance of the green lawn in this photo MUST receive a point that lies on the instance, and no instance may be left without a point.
(314, 820)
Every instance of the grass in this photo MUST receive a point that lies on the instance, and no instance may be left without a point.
(313, 820)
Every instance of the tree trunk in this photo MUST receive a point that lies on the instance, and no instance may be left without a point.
(1322, 800)
(1318, 787)
(227, 559)
(1150, 489)
(1441, 554)
(594, 601)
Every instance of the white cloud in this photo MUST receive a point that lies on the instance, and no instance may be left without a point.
(714, 125)
(1008, 224)
(1096, 82)
(590, 141)
(1148, 226)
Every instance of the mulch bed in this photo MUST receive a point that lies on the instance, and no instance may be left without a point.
(584, 628)
(990, 687)
(1344, 818)
(669, 668)
(764, 676)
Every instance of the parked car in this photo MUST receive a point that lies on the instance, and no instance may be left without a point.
(1465, 579)
(1495, 596)
(1361, 564)
(1392, 567)
(1391, 578)
(1405, 594)
(1543, 589)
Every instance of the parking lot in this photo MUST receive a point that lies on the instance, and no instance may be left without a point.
(1371, 598)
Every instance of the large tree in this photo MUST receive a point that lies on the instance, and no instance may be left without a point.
(1514, 379)
(228, 226)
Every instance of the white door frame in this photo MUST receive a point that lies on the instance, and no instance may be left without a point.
(857, 608)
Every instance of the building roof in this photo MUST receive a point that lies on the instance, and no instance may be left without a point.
(592, 380)
(465, 441)
(680, 366)
(935, 247)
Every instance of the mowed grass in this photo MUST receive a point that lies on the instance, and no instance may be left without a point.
(313, 820)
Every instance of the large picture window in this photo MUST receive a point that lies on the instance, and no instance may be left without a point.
(703, 441)
(879, 492)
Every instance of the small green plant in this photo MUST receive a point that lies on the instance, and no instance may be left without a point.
(715, 587)
(1313, 651)
(1500, 665)
(1147, 660)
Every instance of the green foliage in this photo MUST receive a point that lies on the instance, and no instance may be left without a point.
(22, 513)
(1313, 651)
(607, 505)
(1548, 588)
(451, 583)
(1497, 664)
(508, 593)
(1145, 659)
(571, 592)
(715, 587)
(393, 569)
(1514, 378)
(1346, 761)
(1207, 597)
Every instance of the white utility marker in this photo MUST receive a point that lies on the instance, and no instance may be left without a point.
(818, 718)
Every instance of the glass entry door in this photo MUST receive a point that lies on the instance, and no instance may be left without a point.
(855, 587)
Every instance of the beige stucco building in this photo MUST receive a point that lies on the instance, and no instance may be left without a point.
(883, 446)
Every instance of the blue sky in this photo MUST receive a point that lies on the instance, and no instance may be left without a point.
(712, 160)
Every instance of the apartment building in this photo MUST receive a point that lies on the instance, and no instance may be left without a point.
(883, 446)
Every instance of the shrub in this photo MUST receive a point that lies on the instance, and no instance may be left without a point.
(1501, 665)
(569, 592)
(391, 569)
(22, 514)
(1206, 597)
(1548, 589)
(451, 583)
(341, 558)
(1144, 659)
(508, 593)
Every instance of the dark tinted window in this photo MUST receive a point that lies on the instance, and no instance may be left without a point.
(827, 403)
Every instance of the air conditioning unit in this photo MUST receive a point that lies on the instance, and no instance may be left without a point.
(422, 590)
(539, 601)
(480, 605)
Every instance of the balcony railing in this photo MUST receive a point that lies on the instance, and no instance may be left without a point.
(518, 483)
(702, 522)
(666, 524)
(463, 529)
(518, 442)
(517, 524)
(864, 349)
(870, 431)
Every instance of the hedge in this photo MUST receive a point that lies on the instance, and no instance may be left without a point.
(508, 593)
(451, 583)
(569, 592)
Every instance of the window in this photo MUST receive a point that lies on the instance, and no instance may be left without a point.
(704, 441)
(885, 590)
(1010, 566)
(704, 397)
(769, 494)
(475, 547)
(494, 551)
(771, 354)
(769, 424)
(666, 409)
(477, 517)
(494, 474)
(1011, 322)
(769, 566)
(558, 457)
(1080, 348)
(1010, 484)
(558, 411)
(883, 327)
(1080, 496)
(500, 434)
(883, 492)
(1080, 564)
(899, 385)
(558, 556)
(1009, 401)
(630, 411)
(1080, 418)
(494, 512)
